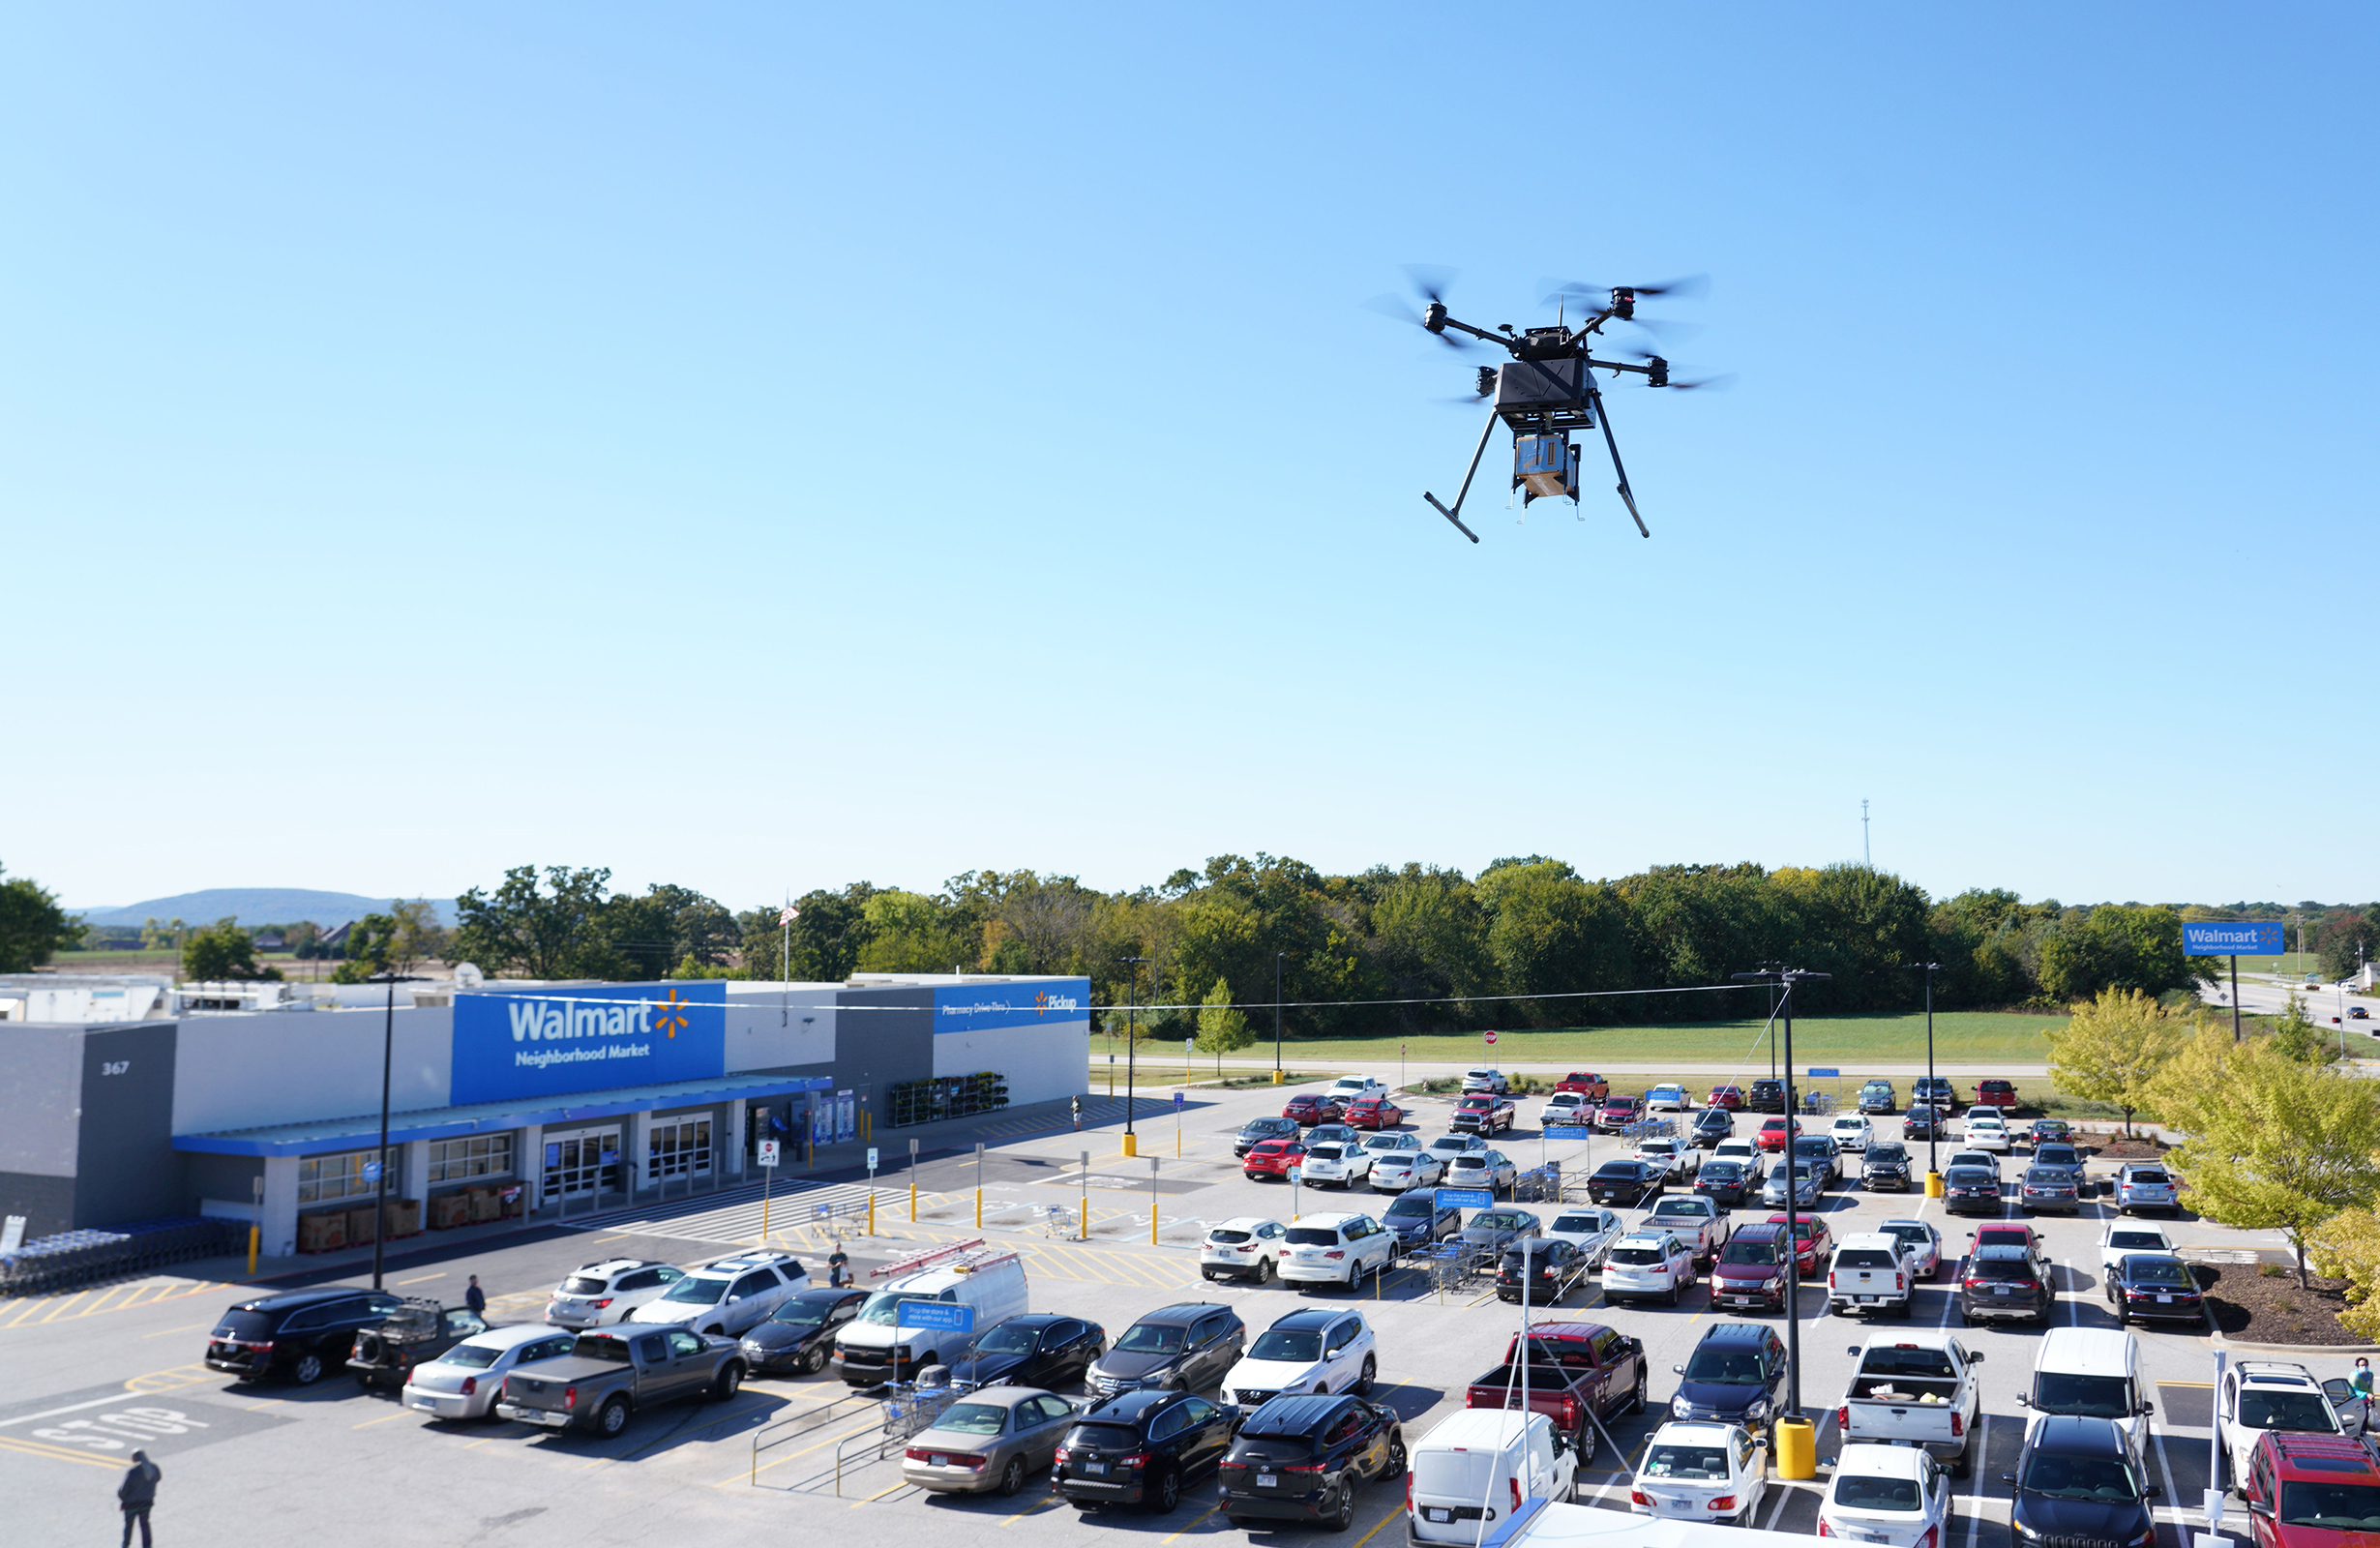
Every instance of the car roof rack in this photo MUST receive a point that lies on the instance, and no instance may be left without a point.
(964, 1257)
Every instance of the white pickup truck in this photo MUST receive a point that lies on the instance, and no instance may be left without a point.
(1871, 1272)
(1696, 1221)
(1914, 1389)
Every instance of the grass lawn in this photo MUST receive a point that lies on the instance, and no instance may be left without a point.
(1845, 1041)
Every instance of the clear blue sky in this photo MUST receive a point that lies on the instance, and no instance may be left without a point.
(761, 446)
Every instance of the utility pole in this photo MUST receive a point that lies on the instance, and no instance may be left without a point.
(1932, 1130)
(1785, 978)
(1277, 1016)
(380, 1157)
(1132, 1043)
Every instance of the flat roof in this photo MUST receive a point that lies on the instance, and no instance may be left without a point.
(322, 1136)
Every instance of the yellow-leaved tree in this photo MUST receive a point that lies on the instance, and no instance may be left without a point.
(2347, 1246)
(1222, 1028)
(2113, 1048)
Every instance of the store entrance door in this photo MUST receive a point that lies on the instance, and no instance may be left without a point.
(580, 1166)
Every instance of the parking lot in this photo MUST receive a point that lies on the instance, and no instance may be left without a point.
(93, 1373)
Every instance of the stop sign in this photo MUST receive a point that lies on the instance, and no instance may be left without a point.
(1491, 1039)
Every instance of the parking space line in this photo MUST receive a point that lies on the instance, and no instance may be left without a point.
(64, 1304)
(1031, 1511)
(30, 1308)
(1382, 1522)
(382, 1420)
(1194, 1524)
(882, 1493)
(185, 1327)
(422, 1279)
(55, 1453)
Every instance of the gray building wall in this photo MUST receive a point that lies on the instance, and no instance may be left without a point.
(242, 1072)
(127, 1168)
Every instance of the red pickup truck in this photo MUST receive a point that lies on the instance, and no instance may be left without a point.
(1587, 1083)
(1995, 1094)
(1575, 1369)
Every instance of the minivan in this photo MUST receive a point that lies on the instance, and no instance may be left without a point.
(873, 1347)
(2094, 1371)
(1477, 1469)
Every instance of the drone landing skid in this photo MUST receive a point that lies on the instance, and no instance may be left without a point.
(1450, 516)
(1477, 452)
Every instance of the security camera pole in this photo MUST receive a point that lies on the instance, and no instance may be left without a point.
(1785, 978)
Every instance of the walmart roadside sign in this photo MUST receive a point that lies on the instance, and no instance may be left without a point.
(2261, 937)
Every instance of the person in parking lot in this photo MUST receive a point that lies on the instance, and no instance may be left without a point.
(2361, 1383)
(838, 1268)
(475, 1297)
(136, 1494)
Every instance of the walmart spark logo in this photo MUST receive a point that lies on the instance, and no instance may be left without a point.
(671, 1014)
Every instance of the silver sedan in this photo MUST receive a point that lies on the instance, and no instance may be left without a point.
(993, 1437)
(465, 1382)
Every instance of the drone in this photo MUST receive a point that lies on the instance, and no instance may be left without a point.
(1549, 389)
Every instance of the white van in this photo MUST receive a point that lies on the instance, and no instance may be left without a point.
(876, 1346)
(2093, 1371)
(1477, 1469)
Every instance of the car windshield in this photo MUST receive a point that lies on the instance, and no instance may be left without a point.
(1658, 1147)
(1412, 1208)
(1887, 1152)
(2154, 1180)
(1970, 1177)
(885, 1306)
(1007, 1340)
(2099, 1397)
(472, 1356)
(696, 1290)
(2048, 1177)
(2137, 1240)
(1499, 1220)
(1914, 1234)
(2063, 1478)
(1221, 1235)
(1617, 1171)
(1636, 1255)
(1299, 1344)
(601, 1347)
(1579, 1223)
(2014, 1271)
(1153, 1338)
(585, 1284)
(1729, 1364)
(2340, 1506)
(1722, 1171)
(1323, 1153)
(1669, 1460)
(800, 1313)
(1450, 1142)
(2285, 1411)
(1858, 1491)
(974, 1419)
(1749, 1252)
(1314, 1236)
(2155, 1272)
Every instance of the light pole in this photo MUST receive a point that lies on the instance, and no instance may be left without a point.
(1132, 1041)
(380, 1157)
(1933, 1131)
(1277, 1016)
(1784, 978)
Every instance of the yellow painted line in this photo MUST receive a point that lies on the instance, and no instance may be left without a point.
(270, 1402)
(1375, 1532)
(185, 1327)
(1194, 1523)
(422, 1279)
(168, 1381)
(31, 1307)
(1029, 1511)
(55, 1453)
(382, 1420)
(489, 1441)
(64, 1304)
(2186, 1383)
(749, 1474)
(620, 1236)
(882, 1493)
(99, 1300)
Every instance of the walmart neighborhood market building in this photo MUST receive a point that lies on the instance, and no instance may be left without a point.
(518, 1099)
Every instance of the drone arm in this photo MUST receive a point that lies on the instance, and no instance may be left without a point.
(1460, 326)
(1604, 415)
(1477, 452)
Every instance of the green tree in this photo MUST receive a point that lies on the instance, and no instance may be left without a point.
(33, 927)
(2298, 1037)
(2347, 1246)
(1222, 1028)
(2113, 1048)
(1550, 933)
(370, 950)
(827, 938)
(220, 952)
(915, 933)
(2274, 1144)
(530, 929)
(156, 934)
(2117, 946)
(2347, 943)
(1429, 939)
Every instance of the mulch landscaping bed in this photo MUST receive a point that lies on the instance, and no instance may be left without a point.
(2116, 1147)
(2263, 1310)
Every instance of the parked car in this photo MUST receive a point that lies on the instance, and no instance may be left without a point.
(1914, 1387)
(1711, 1126)
(1970, 1190)
(1140, 1447)
(1543, 1268)
(1447, 1146)
(1492, 1170)
(1272, 1158)
(2060, 1156)
(2152, 1285)
(1814, 1243)
(1374, 1112)
(2005, 1282)
(294, 1334)
(1699, 1471)
(1676, 1158)
(1586, 1083)
(1924, 1241)
(1416, 1219)
(1885, 1165)
(2011, 1233)
(1575, 1370)
(1891, 1494)
(1751, 1269)
(1255, 1131)
(2091, 1371)
(1851, 1131)
(1042, 1349)
(1336, 1165)
(1309, 1108)
(2118, 1242)
(1625, 1183)
(1313, 1350)
(2145, 1186)
(1732, 1377)
(1483, 1114)
(465, 1382)
(605, 1292)
(1486, 1080)
(1768, 1096)
(1189, 1347)
(1475, 1456)
(1871, 1271)
(2260, 1396)
(1817, 1151)
(1489, 1232)
(2080, 1479)
(1925, 1122)
(1336, 1248)
(1995, 1094)
(2049, 1188)
(1878, 1096)
(1736, 1149)
(995, 1439)
(1307, 1459)
(1728, 1096)
(1333, 1133)
(878, 1346)
(2046, 1131)
(1981, 1159)
(1699, 1223)
(1645, 1264)
(611, 1373)
(1668, 1098)
(1397, 1171)
(1246, 1247)
(1566, 1110)
(385, 1354)
(799, 1335)
(1729, 1185)
(1774, 1131)
(1805, 1183)
(2311, 1491)
(1618, 1111)
(1935, 1090)
(1591, 1231)
(1349, 1089)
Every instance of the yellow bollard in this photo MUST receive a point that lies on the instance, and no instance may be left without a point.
(978, 1208)
(1176, 1141)
(1153, 1223)
(1933, 1185)
(871, 1214)
(1132, 1144)
(1797, 1449)
(253, 1231)
(1087, 1220)
(913, 1203)
(1277, 1077)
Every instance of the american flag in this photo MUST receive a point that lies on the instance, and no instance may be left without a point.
(788, 914)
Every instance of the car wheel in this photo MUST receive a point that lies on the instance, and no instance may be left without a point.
(1012, 1477)
(612, 1418)
(308, 1370)
(731, 1377)
(1583, 1447)
(1363, 1382)
(1264, 1271)
(1168, 1493)
(815, 1361)
(1344, 1516)
(1965, 1321)
(1636, 1399)
(1673, 1292)
(1395, 1465)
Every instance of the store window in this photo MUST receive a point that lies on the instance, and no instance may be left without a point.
(482, 1155)
(322, 1178)
(679, 1147)
(948, 1096)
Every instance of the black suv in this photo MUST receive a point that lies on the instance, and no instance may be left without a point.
(1935, 1090)
(1732, 1377)
(1255, 1131)
(298, 1333)
(1878, 1096)
(799, 1335)
(2079, 1481)
(1140, 1448)
(1038, 1349)
(1306, 1458)
(1768, 1096)
(1191, 1347)
(1728, 1184)
(1714, 1124)
(1547, 1266)
(1616, 1184)
(2005, 1282)
(1885, 1164)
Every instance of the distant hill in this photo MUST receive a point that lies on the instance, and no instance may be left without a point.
(255, 906)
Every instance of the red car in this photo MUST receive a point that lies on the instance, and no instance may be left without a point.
(1374, 1112)
(2295, 1475)
(1618, 1112)
(1995, 1094)
(1273, 1158)
(1771, 1136)
(1730, 1097)
(1586, 1082)
(2008, 1234)
(1314, 1108)
(1814, 1244)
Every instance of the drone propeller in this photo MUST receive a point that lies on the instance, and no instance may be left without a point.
(1662, 378)
(1599, 296)
(1401, 311)
(1715, 385)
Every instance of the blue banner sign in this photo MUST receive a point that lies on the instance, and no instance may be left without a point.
(987, 1007)
(2260, 938)
(1465, 1197)
(1823, 1072)
(1566, 1132)
(942, 1316)
(586, 1037)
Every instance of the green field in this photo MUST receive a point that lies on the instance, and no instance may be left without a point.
(1844, 1041)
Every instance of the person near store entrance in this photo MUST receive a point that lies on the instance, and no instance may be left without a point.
(1077, 1112)
(475, 1297)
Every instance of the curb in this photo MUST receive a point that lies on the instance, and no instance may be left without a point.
(2221, 1342)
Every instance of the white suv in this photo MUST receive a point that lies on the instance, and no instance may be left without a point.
(728, 1296)
(606, 1291)
(1247, 1248)
(1314, 1349)
(1345, 1164)
(1340, 1248)
(1850, 1132)
(1644, 1264)
(1486, 1080)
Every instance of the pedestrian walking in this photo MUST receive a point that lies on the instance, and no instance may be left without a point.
(475, 1297)
(2361, 1383)
(838, 1267)
(136, 1494)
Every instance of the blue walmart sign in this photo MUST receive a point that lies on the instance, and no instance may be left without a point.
(2246, 939)
(587, 1037)
(987, 1007)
